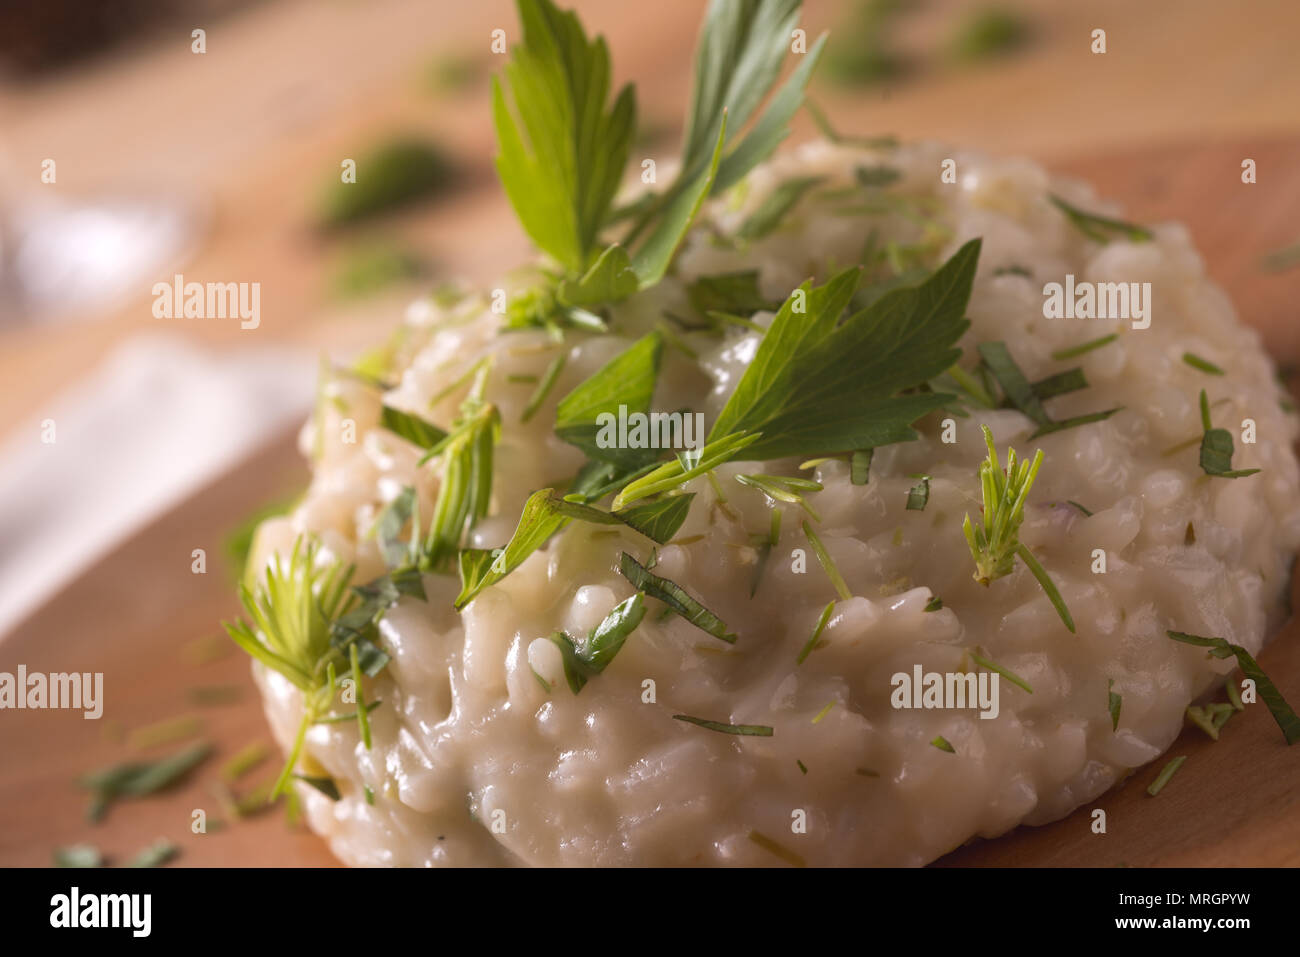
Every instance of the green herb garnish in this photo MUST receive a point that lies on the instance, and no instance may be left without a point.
(137, 779)
(782, 488)
(587, 658)
(1277, 706)
(1204, 365)
(155, 855)
(1011, 676)
(752, 730)
(827, 563)
(411, 427)
(772, 847)
(1101, 229)
(1165, 774)
(388, 177)
(1084, 347)
(544, 387)
(860, 466)
(1028, 397)
(811, 644)
(1113, 704)
(991, 32)
(675, 597)
(996, 544)
(1086, 513)
(934, 604)
(1216, 448)
(776, 206)
(78, 855)
(942, 744)
(918, 496)
(325, 785)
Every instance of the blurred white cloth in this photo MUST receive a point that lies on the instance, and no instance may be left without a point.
(156, 420)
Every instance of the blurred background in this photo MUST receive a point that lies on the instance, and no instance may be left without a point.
(140, 139)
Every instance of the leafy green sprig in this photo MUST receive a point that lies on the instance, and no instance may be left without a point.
(995, 544)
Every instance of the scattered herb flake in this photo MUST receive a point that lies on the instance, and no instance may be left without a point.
(753, 730)
(675, 597)
(817, 633)
(1074, 352)
(942, 744)
(771, 846)
(1204, 365)
(1216, 448)
(1114, 703)
(1165, 774)
(1277, 706)
(918, 496)
(1101, 229)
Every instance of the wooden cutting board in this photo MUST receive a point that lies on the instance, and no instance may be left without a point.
(139, 615)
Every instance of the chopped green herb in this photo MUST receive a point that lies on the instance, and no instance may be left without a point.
(675, 597)
(324, 785)
(832, 135)
(164, 732)
(823, 712)
(1062, 383)
(370, 794)
(544, 387)
(875, 176)
(934, 604)
(1086, 513)
(827, 564)
(776, 207)
(781, 488)
(990, 32)
(942, 744)
(1204, 720)
(866, 772)
(1216, 448)
(1075, 351)
(811, 644)
(586, 659)
(1288, 257)
(78, 855)
(734, 293)
(753, 730)
(1011, 676)
(156, 854)
(802, 768)
(1113, 704)
(390, 176)
(370, 268)
(1014, 270)
(996, 544)
(1234, 695)
(860, 466)
(918, 496)
(1277, 706)
(1196, 362)
(138, 779)
(1101, 228)
(414, 429)
(1165, 774)
(772, 847)
(244, 760)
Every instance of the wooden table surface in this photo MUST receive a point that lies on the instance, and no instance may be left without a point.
(1163, 126)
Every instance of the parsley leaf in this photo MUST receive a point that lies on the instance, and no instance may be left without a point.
(627, 380)
(562, 157)
(818, 386)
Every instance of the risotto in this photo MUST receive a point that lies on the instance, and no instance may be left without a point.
(788, 741)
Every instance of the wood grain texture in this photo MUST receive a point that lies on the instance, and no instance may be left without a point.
(133, 615)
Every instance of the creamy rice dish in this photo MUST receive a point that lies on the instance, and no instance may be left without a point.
(751, 715)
